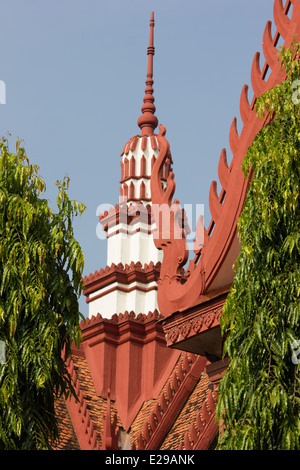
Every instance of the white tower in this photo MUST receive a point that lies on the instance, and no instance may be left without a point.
(129, 281)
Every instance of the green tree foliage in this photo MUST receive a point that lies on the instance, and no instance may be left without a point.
(40, 281)
(259, 396)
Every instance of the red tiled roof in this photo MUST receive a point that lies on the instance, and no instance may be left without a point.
(185, 411)
(96, 405)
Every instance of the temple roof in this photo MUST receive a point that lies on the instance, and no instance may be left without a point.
(186, 389)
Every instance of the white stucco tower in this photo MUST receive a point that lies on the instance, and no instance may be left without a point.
(128, 283)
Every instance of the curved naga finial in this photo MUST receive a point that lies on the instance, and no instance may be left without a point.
(178, 292)
(170, 234)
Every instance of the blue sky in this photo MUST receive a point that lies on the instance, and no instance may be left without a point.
(75, 77)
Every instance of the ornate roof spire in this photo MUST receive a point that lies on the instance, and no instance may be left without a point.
(148, 121)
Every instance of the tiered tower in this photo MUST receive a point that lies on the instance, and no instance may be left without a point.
(122, 340)
(128, 282)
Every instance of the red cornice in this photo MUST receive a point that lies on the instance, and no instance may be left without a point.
(127, 354)
(220, 239)
(126, 275)
(91, 328)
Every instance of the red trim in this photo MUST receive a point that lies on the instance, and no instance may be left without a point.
(142, 190)
(131, 191)
(125, 190)
(126, 167)
(131, 232)
(139, 177)
(144, 143)
(143, 170)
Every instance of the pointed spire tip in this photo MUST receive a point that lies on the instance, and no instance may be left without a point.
(148, 121)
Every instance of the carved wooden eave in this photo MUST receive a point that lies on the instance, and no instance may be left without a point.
(197, 329)
(80, 415)
(184, 293)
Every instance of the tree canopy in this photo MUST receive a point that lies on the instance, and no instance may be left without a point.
(259, 396)
(41, 267)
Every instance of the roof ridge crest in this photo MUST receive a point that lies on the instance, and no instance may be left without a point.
(79, 407)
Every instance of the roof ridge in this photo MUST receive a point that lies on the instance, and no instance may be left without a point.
(132, 142)
(81, 419)
(122, 317)
(109, 435)
(178, 388)
(202, 431)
